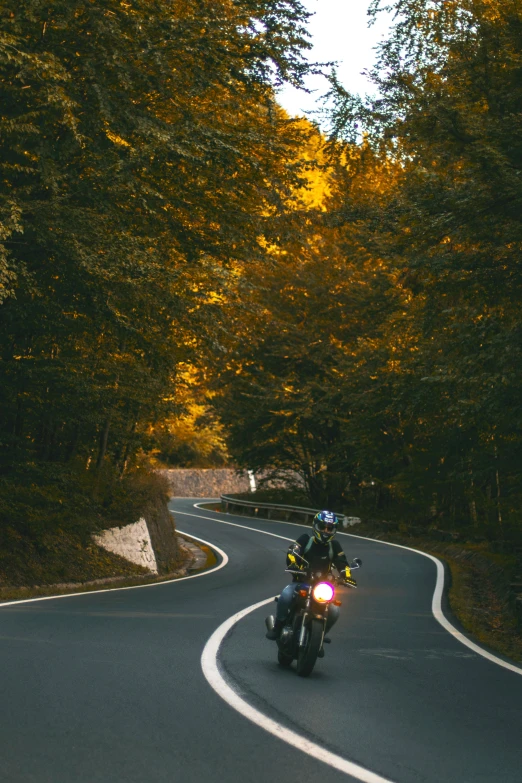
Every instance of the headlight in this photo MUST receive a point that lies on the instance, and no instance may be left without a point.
(323, 592)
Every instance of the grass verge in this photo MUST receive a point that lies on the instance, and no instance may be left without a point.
(130, 576)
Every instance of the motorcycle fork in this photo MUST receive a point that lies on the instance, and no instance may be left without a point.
(302, 635)
(325, 618)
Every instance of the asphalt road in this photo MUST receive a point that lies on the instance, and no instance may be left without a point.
(108, 688)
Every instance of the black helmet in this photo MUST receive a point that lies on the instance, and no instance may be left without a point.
(324, 526)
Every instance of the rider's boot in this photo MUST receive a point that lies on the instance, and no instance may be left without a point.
(273, 634)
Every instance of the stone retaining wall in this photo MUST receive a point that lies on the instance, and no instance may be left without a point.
(213, 482)
(162, 530)
(151, 542)
(204, 483)
(132, 542)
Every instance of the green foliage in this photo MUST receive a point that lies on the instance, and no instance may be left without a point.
(48, 512)
(194, 437)
(395, 371)
(290, 393)
(142, 159)
(447, 116)
(173, 247)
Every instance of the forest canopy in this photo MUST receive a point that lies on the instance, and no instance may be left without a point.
(388, 371)
(143, 160)
(187, 273)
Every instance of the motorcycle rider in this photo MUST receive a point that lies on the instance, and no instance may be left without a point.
(321, 551)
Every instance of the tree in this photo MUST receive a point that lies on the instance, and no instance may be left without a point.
(143, 159)
(449, 99)
(293, 394)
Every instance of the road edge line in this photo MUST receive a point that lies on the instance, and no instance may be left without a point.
(210, 667)
(224, 561)
(436, 604)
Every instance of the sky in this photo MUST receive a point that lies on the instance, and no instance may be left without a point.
(339, 32)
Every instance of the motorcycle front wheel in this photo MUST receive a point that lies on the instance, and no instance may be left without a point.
(307, 655)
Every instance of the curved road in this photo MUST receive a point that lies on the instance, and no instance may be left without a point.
(108, 687)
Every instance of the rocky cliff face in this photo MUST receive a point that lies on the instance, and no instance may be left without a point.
(162, 529)
(151, 542)
(133, 542)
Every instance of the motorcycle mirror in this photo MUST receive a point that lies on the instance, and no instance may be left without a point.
(357, 562)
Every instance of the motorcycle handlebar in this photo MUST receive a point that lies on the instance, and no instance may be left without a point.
(336, 579)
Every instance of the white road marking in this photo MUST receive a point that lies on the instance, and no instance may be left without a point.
(209, 664)
(436, 608)
(234, 524)
(223, 563)
(436, 604)
(210, 653)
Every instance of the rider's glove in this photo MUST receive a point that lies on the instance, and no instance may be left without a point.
(292, 562)
(348, 577)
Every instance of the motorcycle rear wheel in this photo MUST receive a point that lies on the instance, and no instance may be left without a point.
(307, 656)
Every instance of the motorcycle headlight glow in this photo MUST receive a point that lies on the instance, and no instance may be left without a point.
(323, 592)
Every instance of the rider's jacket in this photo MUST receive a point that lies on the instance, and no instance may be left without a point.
(320, 556)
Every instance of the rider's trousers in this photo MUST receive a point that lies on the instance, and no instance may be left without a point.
(286, 601)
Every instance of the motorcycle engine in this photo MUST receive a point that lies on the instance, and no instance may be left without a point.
(286, 635)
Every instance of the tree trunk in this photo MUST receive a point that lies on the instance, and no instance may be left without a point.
(45, 438)
(104, 436)
(126, 450)
(499, 510)
(18, 425)
(71, 451)
(472, 503)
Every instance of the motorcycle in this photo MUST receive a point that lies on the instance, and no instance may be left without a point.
(303, 635)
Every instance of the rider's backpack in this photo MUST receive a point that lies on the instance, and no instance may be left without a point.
(309, 546)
